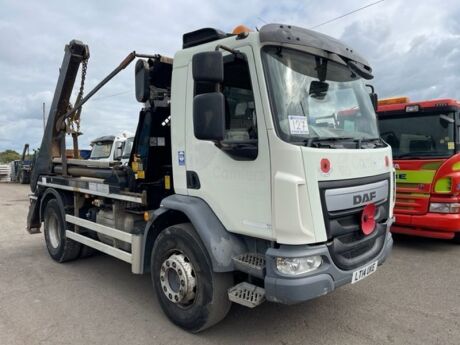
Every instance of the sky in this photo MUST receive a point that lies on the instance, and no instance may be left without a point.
(413, 48)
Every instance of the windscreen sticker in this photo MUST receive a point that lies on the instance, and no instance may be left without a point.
(441, 141)
(450, 145)
(298, 125)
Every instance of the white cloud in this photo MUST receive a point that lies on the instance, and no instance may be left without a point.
(414, 50)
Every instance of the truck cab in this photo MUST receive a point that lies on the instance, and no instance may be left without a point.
(424, 139)
(20, 169)
(127, 147)
(248, 180)
(278, 171)
(110, 148)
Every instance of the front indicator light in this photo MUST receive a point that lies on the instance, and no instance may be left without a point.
(297, 266)
(445, 207)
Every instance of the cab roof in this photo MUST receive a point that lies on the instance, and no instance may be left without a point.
(438, 104)
(290, 34)
(279, 34)
(104, 138)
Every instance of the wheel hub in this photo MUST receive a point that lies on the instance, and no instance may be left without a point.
(177, 279)
(53, 231)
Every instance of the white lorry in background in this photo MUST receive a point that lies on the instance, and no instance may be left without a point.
(112, 148)
(127, 148)
(257, 173)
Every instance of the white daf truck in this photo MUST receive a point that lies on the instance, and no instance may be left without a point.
(257, 173)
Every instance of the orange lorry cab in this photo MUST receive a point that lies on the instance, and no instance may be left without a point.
(424, 137)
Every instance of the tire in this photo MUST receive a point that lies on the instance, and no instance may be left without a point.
(60, 248)
(27, 178)
(198, 308)
(22, 177)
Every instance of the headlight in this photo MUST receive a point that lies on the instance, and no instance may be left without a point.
(296, 266)
(445, 207)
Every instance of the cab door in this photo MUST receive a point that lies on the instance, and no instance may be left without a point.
(234, 182)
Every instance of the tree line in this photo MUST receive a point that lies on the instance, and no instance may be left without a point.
(8, 156)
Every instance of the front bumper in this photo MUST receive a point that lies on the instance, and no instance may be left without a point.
(433, 225)
(289, 290)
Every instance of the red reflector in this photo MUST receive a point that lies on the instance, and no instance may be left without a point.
(325, 165)
(368, 219)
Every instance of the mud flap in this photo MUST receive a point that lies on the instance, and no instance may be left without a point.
(33, 218)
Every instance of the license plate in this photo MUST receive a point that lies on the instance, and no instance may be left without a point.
(364, 272)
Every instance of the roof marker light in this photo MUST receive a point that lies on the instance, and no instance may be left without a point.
(240, 29)
(393, 100)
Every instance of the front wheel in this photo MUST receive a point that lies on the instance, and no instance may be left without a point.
(190, 293)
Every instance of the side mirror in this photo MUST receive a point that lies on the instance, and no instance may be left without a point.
(208, 67)
(209, 116)
(118, 152)
(373, 96)
(142, 76)
(374, 100)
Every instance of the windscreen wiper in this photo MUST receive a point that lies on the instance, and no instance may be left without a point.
(376, 141)
(310, 141)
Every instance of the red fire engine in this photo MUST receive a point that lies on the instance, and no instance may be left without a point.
(425, 138)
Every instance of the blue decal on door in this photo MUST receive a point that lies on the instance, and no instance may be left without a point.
(181, 157)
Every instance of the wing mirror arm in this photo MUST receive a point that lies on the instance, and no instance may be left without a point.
(373, 96)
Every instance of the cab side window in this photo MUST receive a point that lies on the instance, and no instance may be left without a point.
(240, 113)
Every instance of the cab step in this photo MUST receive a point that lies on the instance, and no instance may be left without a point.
(250, 263)
(247, 294)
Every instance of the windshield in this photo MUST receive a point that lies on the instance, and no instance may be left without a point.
(305, 107)
(101, 149)
(127, 148)
(423, 135)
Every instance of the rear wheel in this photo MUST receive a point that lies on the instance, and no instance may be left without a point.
(21, 177)
(190, 293)
(60, 248)
(24, 177)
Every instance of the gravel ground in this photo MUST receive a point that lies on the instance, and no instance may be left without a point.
(414, 298)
